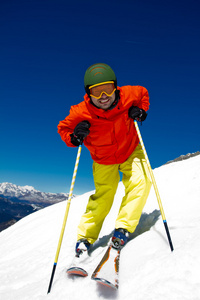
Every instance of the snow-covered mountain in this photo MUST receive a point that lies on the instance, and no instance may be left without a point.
(183, 157)
(29, 194)
(17, 202)
(148, 269)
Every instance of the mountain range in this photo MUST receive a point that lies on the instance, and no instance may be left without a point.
(17, 202)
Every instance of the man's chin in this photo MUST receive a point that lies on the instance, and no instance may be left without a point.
(105, 105)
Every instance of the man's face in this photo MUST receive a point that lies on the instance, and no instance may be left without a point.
(104, 102)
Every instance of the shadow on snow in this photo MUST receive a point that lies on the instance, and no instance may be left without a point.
(146, 222)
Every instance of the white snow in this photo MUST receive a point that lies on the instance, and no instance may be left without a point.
(148, 269)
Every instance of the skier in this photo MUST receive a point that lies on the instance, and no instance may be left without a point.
(104, 122)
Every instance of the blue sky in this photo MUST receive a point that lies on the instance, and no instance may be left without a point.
(47, 45)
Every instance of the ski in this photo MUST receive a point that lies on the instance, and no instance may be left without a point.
(107, 271)
(77, 271)
(78, 264)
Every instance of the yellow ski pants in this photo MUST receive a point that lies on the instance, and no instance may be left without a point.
(137, 183)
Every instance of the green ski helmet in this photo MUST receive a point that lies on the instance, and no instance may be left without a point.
(98, 73)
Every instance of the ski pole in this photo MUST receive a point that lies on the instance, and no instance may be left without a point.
(65, 217)
(155, 186)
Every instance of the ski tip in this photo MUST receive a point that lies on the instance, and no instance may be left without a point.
(77, 271)
(105, 282)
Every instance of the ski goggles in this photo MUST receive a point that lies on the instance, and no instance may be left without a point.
(107, 88)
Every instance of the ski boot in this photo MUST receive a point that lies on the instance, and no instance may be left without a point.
(79, 263)
(82, 246)
(120, 238)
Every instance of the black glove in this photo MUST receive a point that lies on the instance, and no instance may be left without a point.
(80, 132)
(137, 113)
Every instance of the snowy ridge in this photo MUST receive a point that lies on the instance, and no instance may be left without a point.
(183, 157)
(28, 193)
(17, 202)
(148, 269)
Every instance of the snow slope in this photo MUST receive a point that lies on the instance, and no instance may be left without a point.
(148, 269)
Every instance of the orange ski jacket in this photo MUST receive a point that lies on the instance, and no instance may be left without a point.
(113, 136)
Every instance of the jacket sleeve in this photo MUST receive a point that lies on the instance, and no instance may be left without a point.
(142, 98)
(136, 96)
(66, 127)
